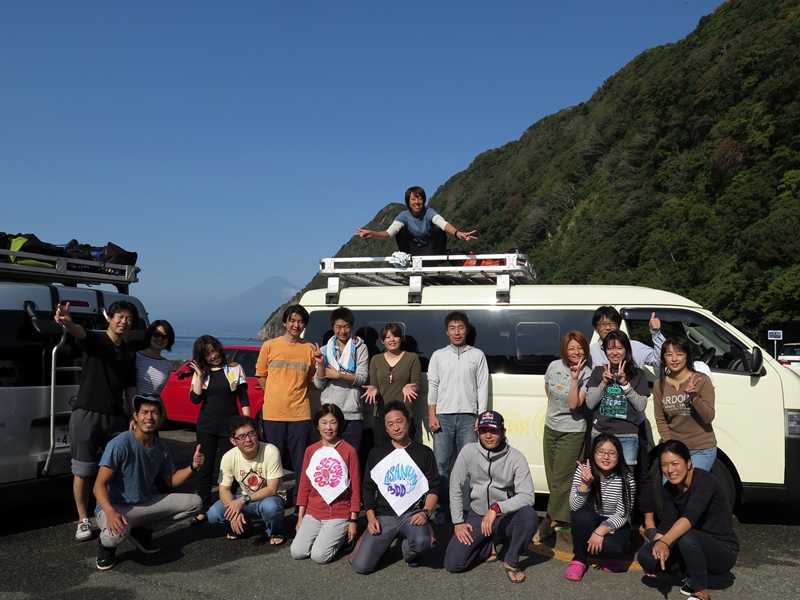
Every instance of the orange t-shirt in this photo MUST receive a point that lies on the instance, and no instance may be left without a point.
(289, 370)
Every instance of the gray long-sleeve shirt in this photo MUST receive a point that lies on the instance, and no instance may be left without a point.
(503, 477)
(458, 380)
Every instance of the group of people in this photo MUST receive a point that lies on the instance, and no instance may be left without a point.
(596, 398)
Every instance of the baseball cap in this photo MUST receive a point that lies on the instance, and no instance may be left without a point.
(138, 399)
(491, 420)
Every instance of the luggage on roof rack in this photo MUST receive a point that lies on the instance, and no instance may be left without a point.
(45, 268)
(501, 270)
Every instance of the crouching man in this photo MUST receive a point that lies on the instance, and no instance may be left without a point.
(256, 467)
(501, 500)
(399, 494)
(126, 506)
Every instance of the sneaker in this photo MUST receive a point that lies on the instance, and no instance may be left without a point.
(105, 557)
(686, 589)
(84, 531)
(142, 538)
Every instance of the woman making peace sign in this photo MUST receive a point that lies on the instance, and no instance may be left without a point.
(601, 502)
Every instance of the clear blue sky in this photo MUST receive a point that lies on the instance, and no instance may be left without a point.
(227, 142)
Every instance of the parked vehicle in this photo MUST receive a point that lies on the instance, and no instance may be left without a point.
(790, 357)
(176, 393)
(40, 365)
(519, 327)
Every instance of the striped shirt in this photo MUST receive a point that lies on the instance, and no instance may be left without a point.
(151, 374)
(613, 508)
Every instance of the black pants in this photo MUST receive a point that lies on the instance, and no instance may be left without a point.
(641, 473)
(696, 553)
(583, 522)
(436, 246)
(210, 445)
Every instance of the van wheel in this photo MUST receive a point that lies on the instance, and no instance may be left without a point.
(721, 472)
(655, 473)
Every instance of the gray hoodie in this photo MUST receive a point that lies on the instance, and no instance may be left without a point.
(502, 476)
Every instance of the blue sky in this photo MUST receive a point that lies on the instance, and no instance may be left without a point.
(227, 142)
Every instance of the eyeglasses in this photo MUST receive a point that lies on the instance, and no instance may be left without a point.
(609, 454)
(607, 325)
(391, 374)
(244, 436)
(159, 336)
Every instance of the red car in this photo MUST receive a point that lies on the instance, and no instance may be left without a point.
(176, 393)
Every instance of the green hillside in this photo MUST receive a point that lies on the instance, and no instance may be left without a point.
(682, 172)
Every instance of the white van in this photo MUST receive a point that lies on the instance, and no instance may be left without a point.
(519, 327)
(39, 363)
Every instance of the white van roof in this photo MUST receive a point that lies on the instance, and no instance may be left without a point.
(521, 295)
(443, 281)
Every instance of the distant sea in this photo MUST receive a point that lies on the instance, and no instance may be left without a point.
(182, 348)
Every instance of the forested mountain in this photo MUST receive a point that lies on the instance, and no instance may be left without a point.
(682, 172)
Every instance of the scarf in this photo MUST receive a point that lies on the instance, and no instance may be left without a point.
(347, 362)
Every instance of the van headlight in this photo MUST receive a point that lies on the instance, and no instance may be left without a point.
(793, 423)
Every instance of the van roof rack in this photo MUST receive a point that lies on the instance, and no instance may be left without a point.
(501, 270)
(68, 271)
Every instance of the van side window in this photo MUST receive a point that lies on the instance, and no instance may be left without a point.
(515, 341)
(710, 343)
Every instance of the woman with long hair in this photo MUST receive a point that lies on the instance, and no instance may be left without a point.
(683, 402)
(616, 391)
(696, 530)
(216, 386)
(564, 427)
(329, 495)
(393, 375)
(601, 502)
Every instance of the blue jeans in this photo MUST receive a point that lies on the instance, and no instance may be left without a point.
(703, 459)
(269, 510)
(458, 428)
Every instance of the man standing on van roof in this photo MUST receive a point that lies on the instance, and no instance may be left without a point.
(126, 505)
(285, 368)
(501, 501)
(109, 370)
(458, 391)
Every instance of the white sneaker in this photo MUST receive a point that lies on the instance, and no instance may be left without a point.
(84, 531)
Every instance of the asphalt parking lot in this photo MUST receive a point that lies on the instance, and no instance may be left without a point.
(41, 559)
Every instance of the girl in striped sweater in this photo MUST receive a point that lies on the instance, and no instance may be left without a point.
(600, 503)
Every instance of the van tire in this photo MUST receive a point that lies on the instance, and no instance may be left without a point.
(726, 480)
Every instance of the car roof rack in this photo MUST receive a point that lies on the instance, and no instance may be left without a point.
(68, 271)
(501, 270)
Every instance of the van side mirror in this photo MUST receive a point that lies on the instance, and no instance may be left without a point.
(757, 361)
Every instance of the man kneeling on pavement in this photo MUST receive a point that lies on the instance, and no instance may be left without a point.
(501, 501)
(126, 506)
(256, 467)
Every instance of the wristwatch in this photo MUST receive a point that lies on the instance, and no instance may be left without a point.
(495, 507)
(246, 498)
(429, 514)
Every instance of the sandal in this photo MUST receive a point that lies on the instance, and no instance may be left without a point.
(512, 572)
(232, 536)
(198, 521)
(493, 555)
(541, 536)
(276, 540)
(612, 565)
(575, 570)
